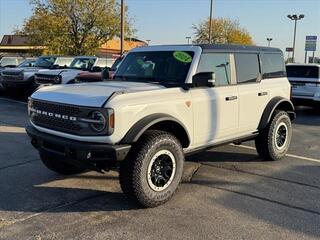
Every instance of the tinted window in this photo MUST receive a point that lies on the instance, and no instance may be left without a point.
(219, 63)
(247, 66)
(160, 66)
(273, 65)
(303, 71)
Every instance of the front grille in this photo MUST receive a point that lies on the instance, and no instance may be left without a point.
(45, 79)
(61, 117)
(12, 75)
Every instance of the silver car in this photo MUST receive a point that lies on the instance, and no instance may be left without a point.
(305, 81)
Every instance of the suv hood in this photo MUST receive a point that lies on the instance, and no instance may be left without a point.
(60, 71)
(90, 94)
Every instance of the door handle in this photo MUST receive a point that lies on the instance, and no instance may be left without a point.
(260, 94)
(231, 98)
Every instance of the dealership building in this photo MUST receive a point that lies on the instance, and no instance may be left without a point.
(18, 45)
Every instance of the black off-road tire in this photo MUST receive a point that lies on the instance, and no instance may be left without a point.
(60, 167)
(134, 169)
(266, 141)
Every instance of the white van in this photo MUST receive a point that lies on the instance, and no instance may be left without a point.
(305, 81)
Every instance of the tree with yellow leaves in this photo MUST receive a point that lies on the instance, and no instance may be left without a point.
(73, 27)
(224, 31)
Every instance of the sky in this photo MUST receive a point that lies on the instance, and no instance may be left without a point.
(170, 21)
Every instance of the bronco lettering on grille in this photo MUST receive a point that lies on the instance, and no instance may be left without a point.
(53, 115)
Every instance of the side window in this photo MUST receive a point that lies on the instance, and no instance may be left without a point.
(273, 65)
(248, 67)
(219, 63)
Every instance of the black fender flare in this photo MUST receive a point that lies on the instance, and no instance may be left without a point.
(145, 123)
(276, 103)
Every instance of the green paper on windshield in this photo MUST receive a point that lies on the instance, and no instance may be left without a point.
(182, 57)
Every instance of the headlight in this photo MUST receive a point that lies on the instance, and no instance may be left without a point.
(57, 79)
(98, 121)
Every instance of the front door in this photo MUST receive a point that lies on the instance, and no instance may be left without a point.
(216, 109)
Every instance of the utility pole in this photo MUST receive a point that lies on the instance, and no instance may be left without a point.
(210, 23)
(188, 40)
(122, 27)
(269, 41)
(295, 18)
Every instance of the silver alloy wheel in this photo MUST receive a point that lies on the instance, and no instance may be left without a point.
(281, 136)
(161, 170)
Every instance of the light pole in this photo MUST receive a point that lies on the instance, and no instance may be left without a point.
(295, 18)
(188, 40)
(122, 27)
(210, 23)
(269, 41)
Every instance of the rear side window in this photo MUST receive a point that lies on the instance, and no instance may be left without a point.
(273, 65)
(219, 63)
(303, 71)
(248, 68)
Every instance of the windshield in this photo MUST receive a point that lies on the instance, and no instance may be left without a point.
(45, 62)
(27, 63)
(8, 61)
(83, 63)
(161, 67)
(303, 71)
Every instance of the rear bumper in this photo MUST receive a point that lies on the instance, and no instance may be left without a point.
(89, 155)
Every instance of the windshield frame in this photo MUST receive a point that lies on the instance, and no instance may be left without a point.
(186, 48)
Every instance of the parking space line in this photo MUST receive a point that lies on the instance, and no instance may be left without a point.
(289, 155)
(14, 101)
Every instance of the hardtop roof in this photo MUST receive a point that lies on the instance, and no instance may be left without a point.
(208, 47)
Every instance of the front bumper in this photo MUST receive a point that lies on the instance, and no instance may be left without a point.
(16, 84)
(89, 155)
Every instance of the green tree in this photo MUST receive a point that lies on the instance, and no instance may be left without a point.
(74, 27)
(224, 31)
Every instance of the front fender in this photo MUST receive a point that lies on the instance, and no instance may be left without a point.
(145, 123)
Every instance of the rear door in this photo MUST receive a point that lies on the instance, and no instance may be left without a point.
(252, 99)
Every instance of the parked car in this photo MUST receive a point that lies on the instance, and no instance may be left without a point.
(26, 63)
(67, 76)
(22, 78)
(305, 81)
(165, 102)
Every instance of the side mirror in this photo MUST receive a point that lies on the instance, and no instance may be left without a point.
(204, 79)
(96, 69)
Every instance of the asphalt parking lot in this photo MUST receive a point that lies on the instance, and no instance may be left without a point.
(228, 193)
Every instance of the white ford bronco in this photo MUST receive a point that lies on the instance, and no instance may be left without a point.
(165, 102)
